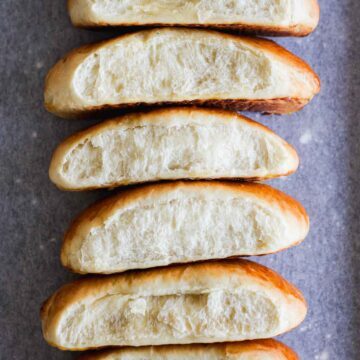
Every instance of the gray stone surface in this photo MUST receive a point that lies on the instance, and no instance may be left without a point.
(34, 214)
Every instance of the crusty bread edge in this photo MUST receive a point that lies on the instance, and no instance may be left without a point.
(271, 346)
(95, 214)
(280, 106)
(54, 307)
(62, 71)
(297, 30)
(300, 30)
(70, 142)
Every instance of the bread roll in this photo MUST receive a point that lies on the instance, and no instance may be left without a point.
(180, 66)
(277, 17)
(245, 350)
(170, 144)
(180, 222)
(200, 303)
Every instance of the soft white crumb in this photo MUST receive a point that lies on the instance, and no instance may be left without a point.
(306, 137)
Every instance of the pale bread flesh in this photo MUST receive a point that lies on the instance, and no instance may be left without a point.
(180, 66)
(199, 303)
(170, 144)
(180, 222)
(278, 17)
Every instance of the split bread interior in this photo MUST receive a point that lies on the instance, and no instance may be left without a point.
(246, 350)
(180, 66)
(168, 144)
(180, 222)
(284, 17)
(200, 303)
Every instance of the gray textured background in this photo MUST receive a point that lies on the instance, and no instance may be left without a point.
(34, 214)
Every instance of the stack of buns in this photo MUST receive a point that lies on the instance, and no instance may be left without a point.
(168, 281)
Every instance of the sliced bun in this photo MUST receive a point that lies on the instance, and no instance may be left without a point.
(200, 303)
(180, 222)
(170, 144)
(180, 66)
(245, 350)
(274, 17)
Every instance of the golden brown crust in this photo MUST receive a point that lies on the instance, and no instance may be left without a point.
(298, 30)
(220, 179)
(269, 346)
(281, 106)
(85, 286)
(234, 271)
(105, 208)
(96, 214)
(62, 71)
(70, 142)
(265, 345)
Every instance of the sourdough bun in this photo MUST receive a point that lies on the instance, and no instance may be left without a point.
(199, 303)
(245, 350)
(276, 17)
(167, 144)
(180, 222)
(180, 66)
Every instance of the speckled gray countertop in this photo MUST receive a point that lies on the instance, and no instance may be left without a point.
(34, 214)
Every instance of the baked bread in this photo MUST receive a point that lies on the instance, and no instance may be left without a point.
(245, 350)
(274, 17)
(167, 144)
(180, 222)
(180, 66)
(200, 303)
